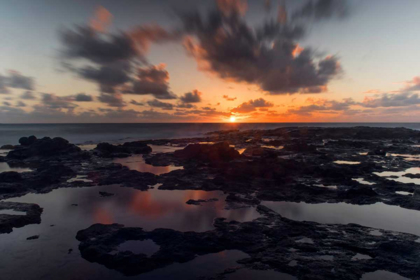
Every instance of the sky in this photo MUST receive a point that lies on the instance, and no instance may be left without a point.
(109, 61)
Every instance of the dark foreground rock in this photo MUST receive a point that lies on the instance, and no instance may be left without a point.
(272, 242)
(107, 150)
(199, 201)
(208, 152)
(8, 222)
(45, 147)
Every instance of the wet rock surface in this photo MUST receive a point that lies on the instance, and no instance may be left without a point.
(315, 165)
(8, 222)
(271, 242)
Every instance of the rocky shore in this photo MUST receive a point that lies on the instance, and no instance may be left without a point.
(311, 165)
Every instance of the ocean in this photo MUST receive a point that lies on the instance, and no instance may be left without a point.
(117, 133)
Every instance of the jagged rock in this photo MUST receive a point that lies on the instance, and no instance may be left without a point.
(7, 147)
(208, 152)
(199, 201)
(106, 194)
(267, 241)
(33, 237)
(10, 177)
(119, 151)
(27, 141)
(8, 222)
(45, 147)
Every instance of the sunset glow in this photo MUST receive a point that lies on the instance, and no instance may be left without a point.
(95, 64)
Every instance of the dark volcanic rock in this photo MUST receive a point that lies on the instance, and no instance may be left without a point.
(10, 177)
(45, 147)
(33, 237)
(412, 176)
(107, 150)
(7, 147)
(199, 201)
(8, 222)
(271, 242)
(27, 141)
(106, 194)
(208, 152)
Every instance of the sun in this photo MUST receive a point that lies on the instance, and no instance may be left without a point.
(232, 119)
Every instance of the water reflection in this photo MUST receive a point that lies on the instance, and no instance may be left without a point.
(137, 162)
(347, 162)
(149, 210)
(5, 167)
(400, 175)
(377, 215)
(383, 275)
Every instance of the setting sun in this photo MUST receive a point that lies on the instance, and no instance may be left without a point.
(232, 119)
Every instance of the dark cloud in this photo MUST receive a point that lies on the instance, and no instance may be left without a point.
(20, 104)
(185, 105)
(85, 43)
(323, 106)
(3, 85)
(252, 105)
(28, 95)
(112, 99)
(15, 80)
(269, 57)
(413, 85)
(322, 9)
(81, 97)
(229, 98)
(134, 102)
(191, 97)
(391, 100)
(53, 101)
(158, 104)
(108, 76)
(152, 80)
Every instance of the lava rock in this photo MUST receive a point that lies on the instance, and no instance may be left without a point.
(8, 222)
(208, 152)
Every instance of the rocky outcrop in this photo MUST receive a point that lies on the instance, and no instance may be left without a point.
(107, 150)
(8, 222)
(272, 242)
(208, 152)
(43, 148)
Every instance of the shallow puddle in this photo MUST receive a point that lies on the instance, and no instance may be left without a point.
(347, 162)
(147, 209)
(377, 215)
(146, 247)
(404, 193)
(11, 212)
(363, 181)
(5, 167)
(273, 147)
(400, 175)
(164, 149)
(383, 275)
(137, 163)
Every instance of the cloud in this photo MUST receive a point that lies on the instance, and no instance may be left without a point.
(134, 102)
(322, 9)
(107, 77)
(413, 85)
(85, 43)
(227, 46)
(143, 36)
(391, 100)
(252, 105)
(158, 104)
(28, 95)
(191, 97)
(81, 97)
(185, 105)
(20, 104)
(101, 20)
(15, 80)
(53, 101)
(323, 106)
(229, 98)
(112, 99)
(152, 80)
(232, 7)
